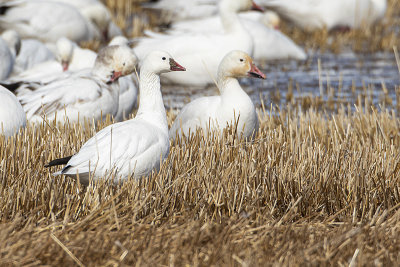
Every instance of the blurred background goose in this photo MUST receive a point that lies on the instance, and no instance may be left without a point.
(201, 53)
(317, 14)
(90, 93)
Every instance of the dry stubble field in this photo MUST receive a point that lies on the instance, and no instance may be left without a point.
(314, 188)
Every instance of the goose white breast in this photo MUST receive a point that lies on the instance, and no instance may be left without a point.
(131, 148)
(232, 105)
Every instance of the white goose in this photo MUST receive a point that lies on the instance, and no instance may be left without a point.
(87, 94)
(12, 116)
(128, 91)
(45, 20)
(131, 148)
(233, 105)
(316, 14)
(269, 44)
(69, 56)
(32, 52)
(202, 53)
(9, 47)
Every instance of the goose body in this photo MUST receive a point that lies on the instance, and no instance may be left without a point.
(316, 14)
(32, 53)
(68, 56)
(201, 53)
(269, 44)
(91, 93)
(12, 116)
(45, 20)
(231, 106)
(178, 10)
(7, 60)
(134, 147)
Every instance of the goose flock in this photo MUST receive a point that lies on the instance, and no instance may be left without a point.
(45, 75)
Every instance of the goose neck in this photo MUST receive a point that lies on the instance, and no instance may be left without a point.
(229, 18)
(151, 104)
(229, 86)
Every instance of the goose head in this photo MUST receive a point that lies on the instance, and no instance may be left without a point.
(115, 61)
(161, 62)
(119, 40)
(100, 16)
(271, 19)
(238, 64)
(65, 49)
(13, 41)
(239, 5)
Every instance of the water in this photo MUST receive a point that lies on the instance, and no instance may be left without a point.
(344, 76)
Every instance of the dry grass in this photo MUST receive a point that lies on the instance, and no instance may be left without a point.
(313, 189)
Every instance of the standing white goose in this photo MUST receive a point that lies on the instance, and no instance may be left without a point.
(12, 116)
(202, 53)
(134, 147)
(269, 44)
(45, 20)
(233, 105)
(91, 93)
(316, 14)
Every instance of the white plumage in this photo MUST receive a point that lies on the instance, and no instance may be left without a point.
(269, 44)
(12, 116)
(91, 93)
(135, 147)
(315, 14)
(202, 53)
(232, 106)
(46, 20)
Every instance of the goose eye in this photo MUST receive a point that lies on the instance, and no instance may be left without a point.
(123, 64)
(163, 58)
(241, 60)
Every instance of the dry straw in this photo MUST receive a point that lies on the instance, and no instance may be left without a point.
(314, 188)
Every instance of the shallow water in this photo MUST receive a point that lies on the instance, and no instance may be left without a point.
(344, 77)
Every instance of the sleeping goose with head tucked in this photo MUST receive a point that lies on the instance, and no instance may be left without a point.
(231, 106)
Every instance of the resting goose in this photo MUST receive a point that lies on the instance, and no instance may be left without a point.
(201, 53)
(134, 147)
(269, 44)
(232, 105)
(45, 20)
(32, 52)
(128, 91)
(90, 93)
(69, 56)
(12, 116)
(316, 14)
(177, 10)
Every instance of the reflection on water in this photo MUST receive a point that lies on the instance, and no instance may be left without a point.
(343, 76)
